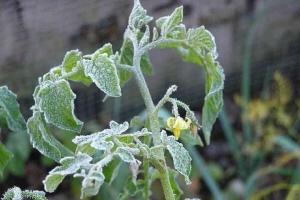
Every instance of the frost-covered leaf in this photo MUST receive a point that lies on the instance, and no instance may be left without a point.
(42, 140)
(5, 156)
(52, 181)
(168, 23)
(202, 41)
(115, 129)
(138, 17)
(56, 101)
(181, 158)
(10, 110)
(70, 60)
(198, 46)
(126, 154)
(69, 165)
(105, 49)
(213, 101)
(103, 72)
(102, 145)
(126, 57)
(80, 76)
(73, 63)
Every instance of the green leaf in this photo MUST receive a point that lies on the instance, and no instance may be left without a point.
(5, 157)
(42, 140)
(56, 101)
(111, 170)
(189, 138)
(70, 60)
(181, 158)
(138, 17)
(294, 192)
(10, 110)
(21, 151)
(103, 72)
(126, 57)
(175, 186)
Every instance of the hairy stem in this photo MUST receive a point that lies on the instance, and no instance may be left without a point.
(154, 123)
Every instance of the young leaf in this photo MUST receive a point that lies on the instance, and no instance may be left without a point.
(105, 49)
(172, 21)
(181, 158)
(5, 157)
(138, 17)
(80, 76)
(56, 101)
(70, 60)
(103, 72)
(202, 41)
(10, 110)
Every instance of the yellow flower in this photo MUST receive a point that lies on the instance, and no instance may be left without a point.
(176, 125)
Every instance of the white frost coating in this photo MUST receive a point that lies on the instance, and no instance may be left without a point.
(104, 74)
(69, 165)
(99, 138)
(181, 158)
(17, 193)
(40, 138)
(102, 145)
(202, 41)
(127, 153)
(138, 17)
(56, 101)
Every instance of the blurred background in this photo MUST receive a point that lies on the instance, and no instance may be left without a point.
(254, 152)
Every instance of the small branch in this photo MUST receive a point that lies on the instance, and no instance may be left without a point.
(174, 107)
(125, 67)
(165, 98)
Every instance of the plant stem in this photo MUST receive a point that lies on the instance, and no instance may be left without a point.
(154, 123)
